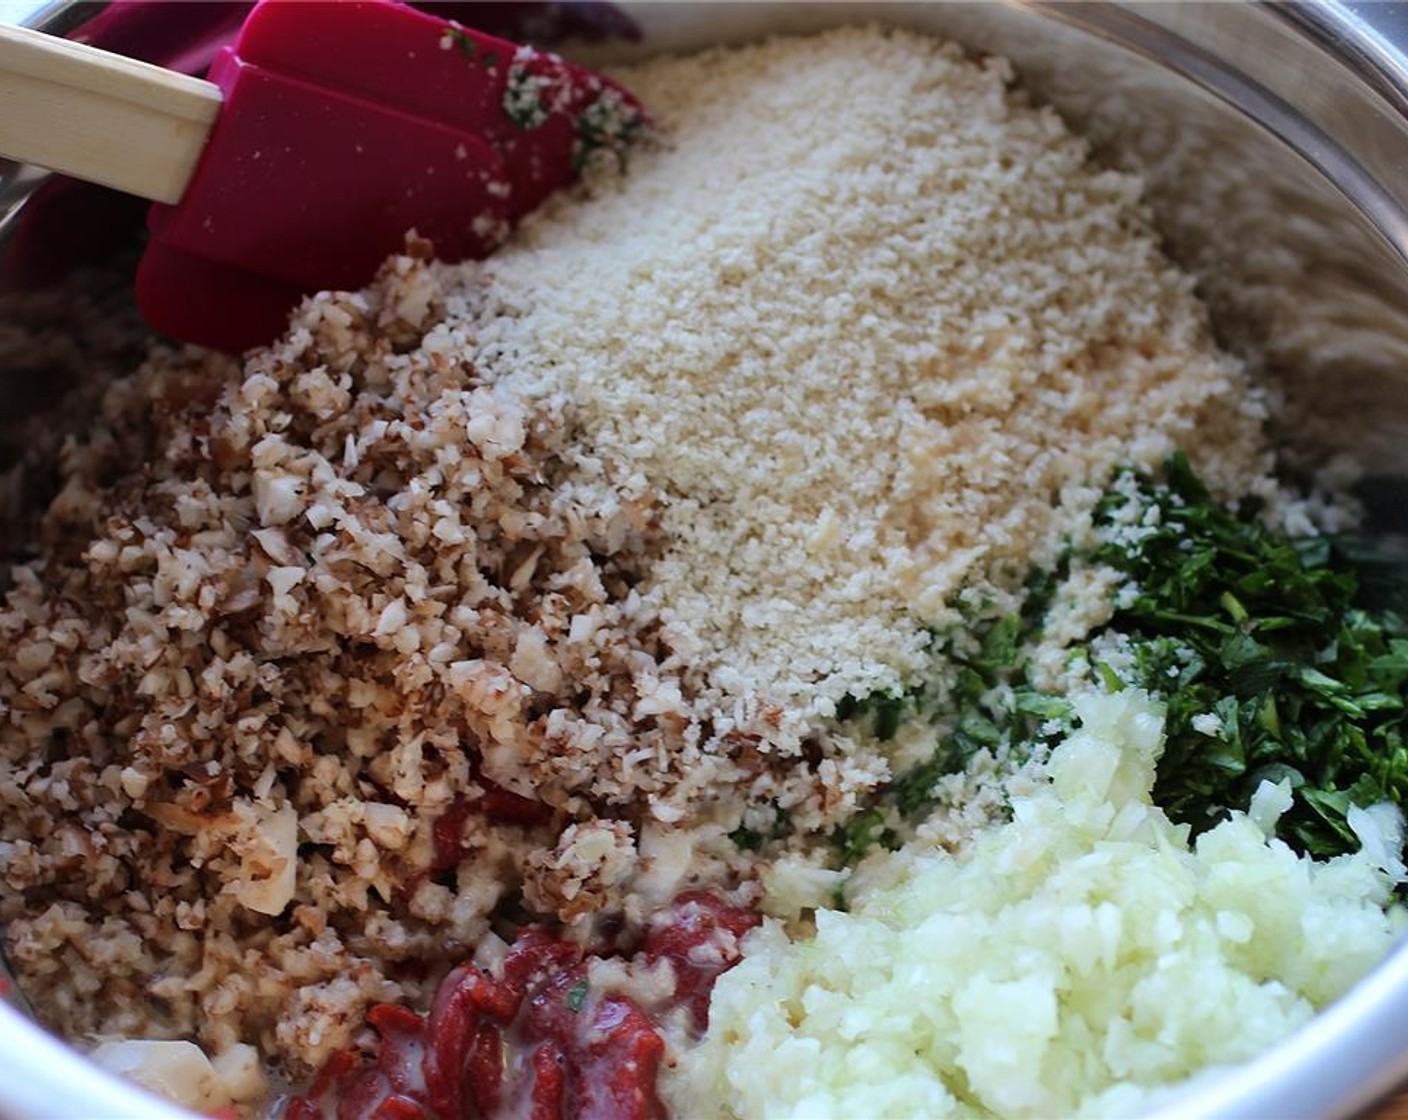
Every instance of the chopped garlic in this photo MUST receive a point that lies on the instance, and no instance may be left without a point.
(1077, 960)
(269, 861)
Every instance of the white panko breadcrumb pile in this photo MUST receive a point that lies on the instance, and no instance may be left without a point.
(508, 590)
(877, 330)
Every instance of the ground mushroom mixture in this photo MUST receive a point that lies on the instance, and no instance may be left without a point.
(604, 580)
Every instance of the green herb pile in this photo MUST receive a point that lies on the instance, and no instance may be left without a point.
(1263, 632)
(1270, 664)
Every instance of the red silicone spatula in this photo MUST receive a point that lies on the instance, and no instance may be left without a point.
(324, 134)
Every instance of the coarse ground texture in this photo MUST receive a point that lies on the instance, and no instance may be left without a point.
(288, 622)
(504, 589)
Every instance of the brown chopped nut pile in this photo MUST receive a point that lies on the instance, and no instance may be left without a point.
(324, 659)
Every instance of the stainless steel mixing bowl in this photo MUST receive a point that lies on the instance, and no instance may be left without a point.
(1274, 142)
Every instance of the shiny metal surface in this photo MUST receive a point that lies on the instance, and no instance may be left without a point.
(1274, 142)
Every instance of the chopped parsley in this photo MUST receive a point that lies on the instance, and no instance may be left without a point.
(991, 705)
(1274, 659)
(861, 833)
(751, 838)
(885, 709)
(456, 36)
(577, 996)
(1269, 664)
(524, 102)
(610, 123)
(988, 706)
(747, 839)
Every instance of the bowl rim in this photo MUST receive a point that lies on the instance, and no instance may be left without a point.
(1347, 1057)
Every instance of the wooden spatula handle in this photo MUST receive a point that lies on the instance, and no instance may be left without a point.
(100, 116)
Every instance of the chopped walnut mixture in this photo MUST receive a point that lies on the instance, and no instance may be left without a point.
(324, 660)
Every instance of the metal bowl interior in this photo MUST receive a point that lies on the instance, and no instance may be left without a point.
(1274, 144)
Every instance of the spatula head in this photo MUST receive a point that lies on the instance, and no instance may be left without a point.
(346, 125)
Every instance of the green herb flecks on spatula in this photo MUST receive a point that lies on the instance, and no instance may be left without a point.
(324, 135)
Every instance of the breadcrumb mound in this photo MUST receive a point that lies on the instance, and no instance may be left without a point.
(878, 329)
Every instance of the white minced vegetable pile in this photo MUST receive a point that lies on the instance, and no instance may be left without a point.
(524, 587)
(1065, 964)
